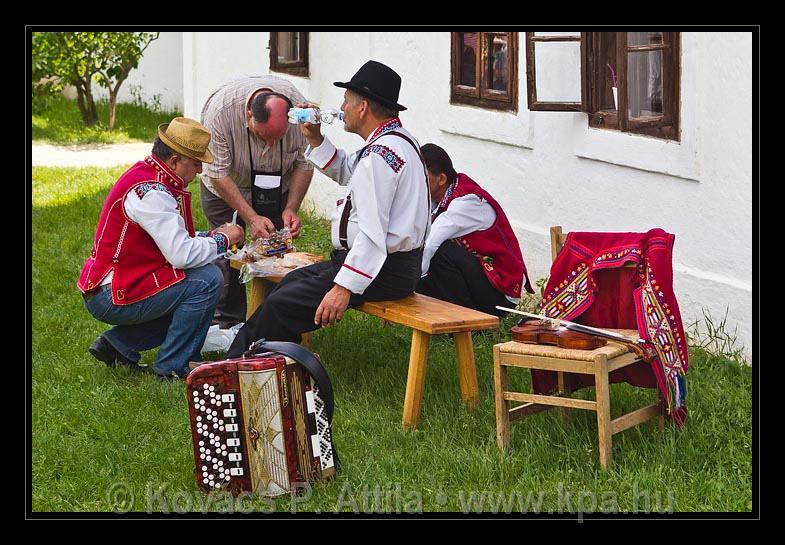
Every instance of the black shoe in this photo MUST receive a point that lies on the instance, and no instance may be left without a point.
(102, 350)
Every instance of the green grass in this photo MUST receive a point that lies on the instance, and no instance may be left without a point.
(61, 124)
(100, 435)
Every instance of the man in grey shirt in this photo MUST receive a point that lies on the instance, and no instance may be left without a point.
(258, 169)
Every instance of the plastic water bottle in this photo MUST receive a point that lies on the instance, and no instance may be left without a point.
(314, 115)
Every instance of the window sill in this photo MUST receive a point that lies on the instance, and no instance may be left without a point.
(670, 157)
(508, 128)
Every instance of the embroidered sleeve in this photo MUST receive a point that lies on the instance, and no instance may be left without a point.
(142, 189)
(221, 239)
(392, 159)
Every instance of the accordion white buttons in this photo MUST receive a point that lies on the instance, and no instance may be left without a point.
(274, 431)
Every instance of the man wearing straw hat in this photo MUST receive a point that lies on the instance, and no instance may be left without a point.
(149, 273)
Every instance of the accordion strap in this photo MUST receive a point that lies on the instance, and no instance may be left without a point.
(305, 358)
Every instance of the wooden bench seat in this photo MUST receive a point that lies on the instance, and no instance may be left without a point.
(426, 316)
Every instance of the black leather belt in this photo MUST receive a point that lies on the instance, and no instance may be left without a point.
(95, 291)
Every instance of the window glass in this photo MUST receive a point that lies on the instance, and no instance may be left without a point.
(644, 76)
(469, 59)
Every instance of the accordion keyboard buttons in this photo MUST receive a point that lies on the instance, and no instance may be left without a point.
(220, 451)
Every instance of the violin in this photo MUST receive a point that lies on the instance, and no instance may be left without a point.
(542, 332)
(565, 334)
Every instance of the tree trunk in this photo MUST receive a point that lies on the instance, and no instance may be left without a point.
(112, 107)
(80, 103)
(86, 104)
(113, 92)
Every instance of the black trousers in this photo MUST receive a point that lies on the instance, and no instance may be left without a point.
(232, 304)
(289, 309)
(456, 276)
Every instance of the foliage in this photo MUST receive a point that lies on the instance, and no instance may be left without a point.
(714, 337)
(81, 58)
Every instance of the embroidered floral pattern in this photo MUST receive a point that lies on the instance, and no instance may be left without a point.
(389, 156)
(570, 295)
(223, 242)
(143, 188)
(164, 173)
(663, 334)
(390, 125)
(615, 258)
(445, 199)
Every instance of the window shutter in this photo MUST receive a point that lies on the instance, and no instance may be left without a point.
(559, 84)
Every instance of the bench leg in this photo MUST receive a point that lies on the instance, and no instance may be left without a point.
(603, 411)
(502, 414)
(259, 290)
(467, 371)
(415, 381)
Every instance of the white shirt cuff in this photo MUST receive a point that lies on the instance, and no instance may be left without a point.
(322, 156)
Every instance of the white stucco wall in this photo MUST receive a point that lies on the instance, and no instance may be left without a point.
(549, 168)
(159, 74)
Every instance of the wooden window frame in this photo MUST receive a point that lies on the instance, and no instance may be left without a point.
(295, 68)
(665, 126)
(531, 75)
(480, 95)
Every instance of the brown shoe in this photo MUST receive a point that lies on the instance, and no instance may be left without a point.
(194, 364)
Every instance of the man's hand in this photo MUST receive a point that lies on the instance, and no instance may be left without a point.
(233, 232)
(292, 221)
(311, 132)
(333, 306)
(261, 227)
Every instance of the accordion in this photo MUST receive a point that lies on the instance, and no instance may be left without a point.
(262, 423)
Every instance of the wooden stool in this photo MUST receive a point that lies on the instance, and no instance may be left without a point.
(598, 362)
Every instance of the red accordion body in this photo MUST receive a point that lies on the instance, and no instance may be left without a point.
(258, 425)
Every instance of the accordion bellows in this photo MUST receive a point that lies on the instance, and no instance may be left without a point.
(259, 425)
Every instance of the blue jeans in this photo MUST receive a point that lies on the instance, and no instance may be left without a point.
(176, 319)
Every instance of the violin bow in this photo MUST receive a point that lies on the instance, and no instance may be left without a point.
(578, 327)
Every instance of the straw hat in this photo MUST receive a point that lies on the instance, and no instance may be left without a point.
(188, 137)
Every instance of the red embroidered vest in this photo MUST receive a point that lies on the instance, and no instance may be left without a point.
(122, 246)
(589, 285)
(497, 247)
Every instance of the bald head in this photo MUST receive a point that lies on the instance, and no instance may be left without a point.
(268, 116)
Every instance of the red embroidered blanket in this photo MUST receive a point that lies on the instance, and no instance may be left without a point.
(588, 285)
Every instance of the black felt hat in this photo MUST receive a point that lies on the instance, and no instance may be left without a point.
(378, 82)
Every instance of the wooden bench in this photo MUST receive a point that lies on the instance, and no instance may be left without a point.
(426, 316)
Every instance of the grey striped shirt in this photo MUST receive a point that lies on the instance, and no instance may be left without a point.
(224, 114)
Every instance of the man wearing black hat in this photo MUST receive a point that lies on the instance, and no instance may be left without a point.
(378, 230)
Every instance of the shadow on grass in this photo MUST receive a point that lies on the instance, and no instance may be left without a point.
(62, 124)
